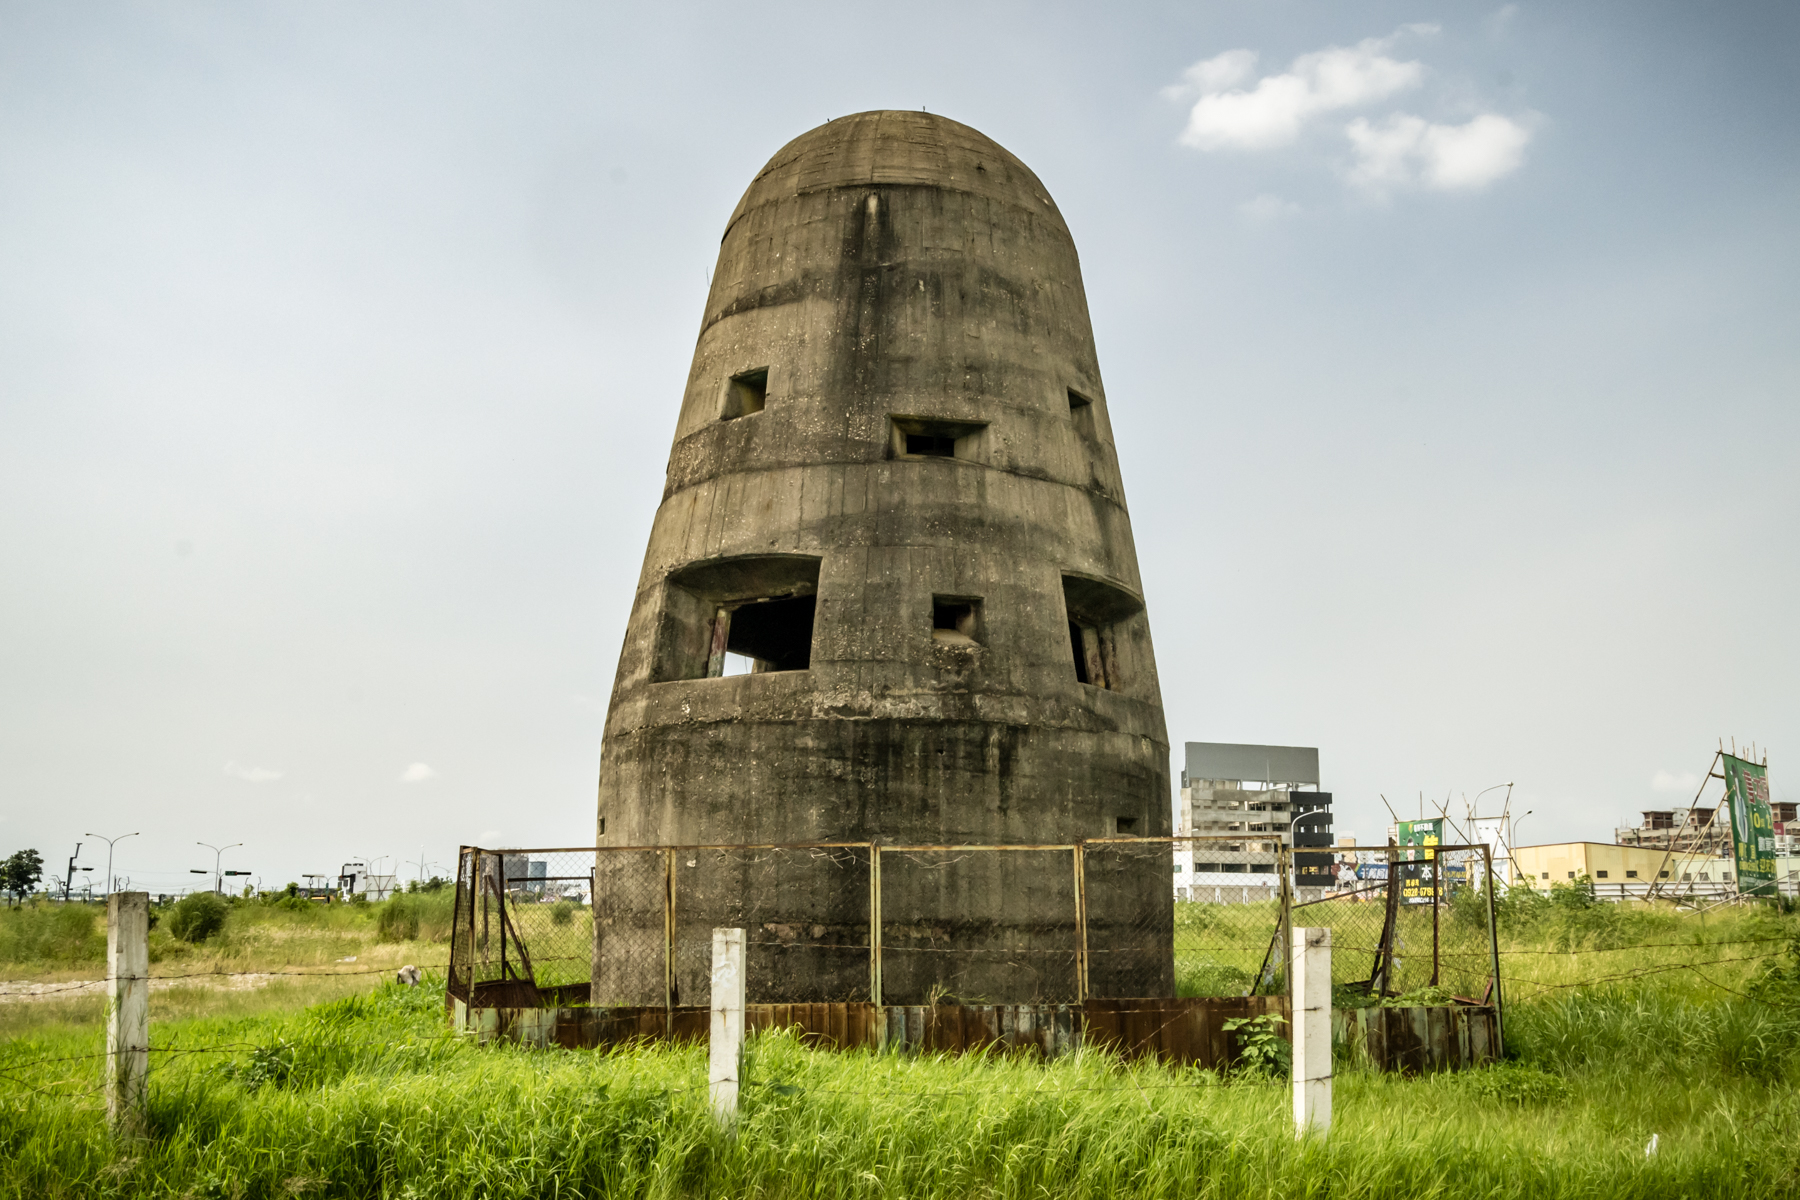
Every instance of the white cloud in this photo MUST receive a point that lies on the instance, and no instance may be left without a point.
(1213, 74)
(417, 773)
(1668, 781)
(1404, 150)
(1273, 112)
(1265, 208)
(253, 774)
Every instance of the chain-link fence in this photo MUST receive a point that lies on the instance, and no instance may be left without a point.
(979, 925)
(1111, 918)
(524, 931)
(1230, 932)
(1409, 920)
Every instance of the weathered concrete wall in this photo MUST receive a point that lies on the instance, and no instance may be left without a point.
(889, 276)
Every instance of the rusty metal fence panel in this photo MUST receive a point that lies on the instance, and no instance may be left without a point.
(1409, 920)
(631, 928)
(978, 925)
(1104, 919)
(524, 926)
(804, 910)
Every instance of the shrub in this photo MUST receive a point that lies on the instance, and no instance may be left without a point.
(416, 916)
(563, 913)
(399, 919)
(197, 917)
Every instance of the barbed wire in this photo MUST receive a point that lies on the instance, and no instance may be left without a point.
(1639, 973)
(90, 984)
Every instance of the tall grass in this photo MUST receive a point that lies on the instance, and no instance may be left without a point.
(368, 1096)
(44, 940)
(53, 934)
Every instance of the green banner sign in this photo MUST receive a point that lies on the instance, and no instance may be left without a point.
(1421, 833)
(1752, 825)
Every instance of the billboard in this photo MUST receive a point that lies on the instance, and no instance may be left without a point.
(1419, 874)
(1752, 825)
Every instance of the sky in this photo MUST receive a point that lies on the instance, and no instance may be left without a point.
(1451, 351)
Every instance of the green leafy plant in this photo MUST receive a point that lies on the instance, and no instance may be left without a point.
(1510, 1083)
(271, 1064)
(1261, 1050)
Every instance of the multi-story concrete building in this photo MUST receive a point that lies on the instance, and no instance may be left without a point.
(1254, 797)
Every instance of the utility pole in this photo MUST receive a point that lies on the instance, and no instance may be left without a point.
(71, 873)
(218, 854)
(109, 848)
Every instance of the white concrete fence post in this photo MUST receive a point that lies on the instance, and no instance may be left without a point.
(127, 1009)
(726, 1038)
(1310, 972)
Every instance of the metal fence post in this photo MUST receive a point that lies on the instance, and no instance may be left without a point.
(725, 1049)
(1437, 892)
(875, 924)
(1081, 925)
(669, 943)
(1494, 954)
(1284, 857)
(127, 1009)
(1309, 978)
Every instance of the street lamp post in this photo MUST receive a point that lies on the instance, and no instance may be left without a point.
(109, 848)
(1512, 835)
(218, 854)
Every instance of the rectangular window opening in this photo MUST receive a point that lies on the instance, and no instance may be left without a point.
(1125, 826)
(763, 636)
(1631, 874)
(1599, 874)
(930, 437)
(737, 615)
(1096, 611)
(955, 620)
(745, 394)
(1081, 412)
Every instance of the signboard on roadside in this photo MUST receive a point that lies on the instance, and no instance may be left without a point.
(1419, 871)
(1752, 825)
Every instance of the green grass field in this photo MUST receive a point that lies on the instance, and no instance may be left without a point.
(368, 1095)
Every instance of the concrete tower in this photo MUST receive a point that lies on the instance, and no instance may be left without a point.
(893, 496)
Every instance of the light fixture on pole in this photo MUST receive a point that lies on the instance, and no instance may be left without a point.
(218, 854)
(109, 848)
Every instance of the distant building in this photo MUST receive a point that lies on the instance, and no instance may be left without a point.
(1250, 796)
(1565, 862)
(1704, 830)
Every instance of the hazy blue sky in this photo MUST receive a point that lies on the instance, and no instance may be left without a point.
(1451, 352)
